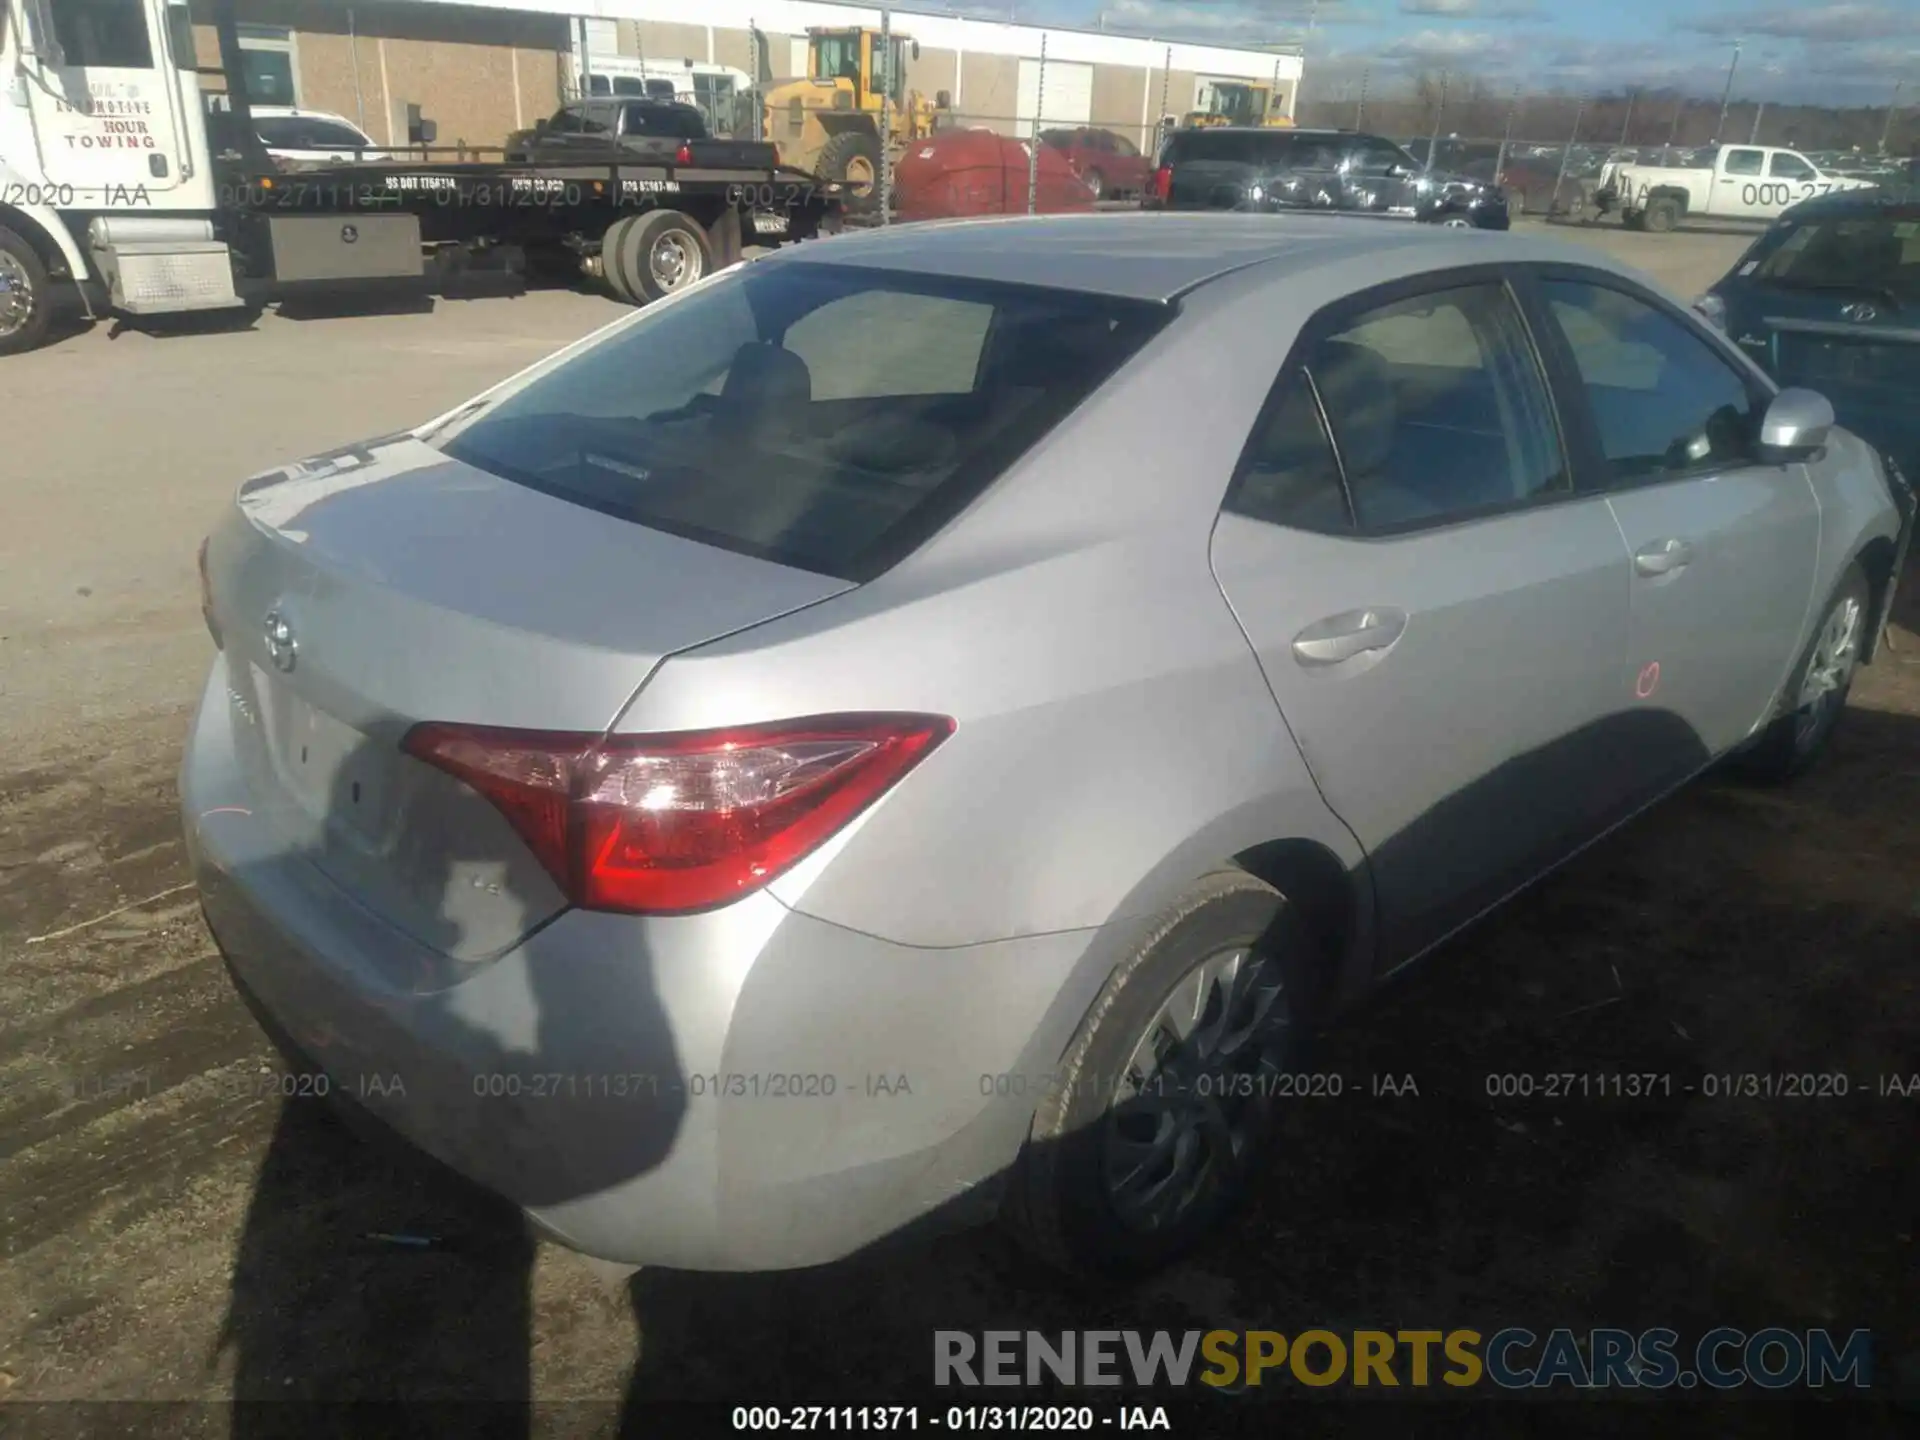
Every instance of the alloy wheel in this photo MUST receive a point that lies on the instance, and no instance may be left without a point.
(1196, 1088)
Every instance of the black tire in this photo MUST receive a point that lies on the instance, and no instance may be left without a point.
(1662, 216)
(640, 265)
(1799, 735)
(1097, 183)
(1060, 1204)
(26, 330)
(852, 148)
(611, 247)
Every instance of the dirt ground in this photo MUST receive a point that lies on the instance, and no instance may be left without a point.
(172, 1229)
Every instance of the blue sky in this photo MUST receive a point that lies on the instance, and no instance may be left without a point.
(1852, 52)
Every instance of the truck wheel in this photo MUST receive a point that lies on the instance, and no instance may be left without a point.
(26, 299)
(854, 158)
(612, 246)
(661, 252)
(1662, 216)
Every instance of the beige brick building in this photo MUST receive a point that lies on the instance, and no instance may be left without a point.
(483, 68)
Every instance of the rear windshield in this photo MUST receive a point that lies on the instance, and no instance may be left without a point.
(671, 121)
(1871, 252)
(824, 417)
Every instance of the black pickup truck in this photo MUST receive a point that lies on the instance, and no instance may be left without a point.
(634, 132)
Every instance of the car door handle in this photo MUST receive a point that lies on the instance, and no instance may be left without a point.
(1664, 557)
(1340, 638)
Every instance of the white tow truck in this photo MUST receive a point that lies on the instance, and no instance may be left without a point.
(114, 200)
(1744, 182)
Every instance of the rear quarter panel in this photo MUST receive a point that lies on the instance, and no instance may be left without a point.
(1115, 736)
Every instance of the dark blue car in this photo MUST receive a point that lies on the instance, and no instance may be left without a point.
(1829, 299)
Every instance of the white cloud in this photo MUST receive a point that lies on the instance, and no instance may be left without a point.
(1845, 23)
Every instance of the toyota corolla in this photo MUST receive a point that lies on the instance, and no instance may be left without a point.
(919, 726)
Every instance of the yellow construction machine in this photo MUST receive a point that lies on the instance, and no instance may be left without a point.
(1235, 103)
(829, 122)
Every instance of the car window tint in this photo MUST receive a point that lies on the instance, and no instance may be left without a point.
(1438, 408)
(1743, 162)
(1664, 402)
(1289, 475)
(888, 343)
(821, 416)
(1873, 252)
(1789, 167)
(283, 132)
(332, 135)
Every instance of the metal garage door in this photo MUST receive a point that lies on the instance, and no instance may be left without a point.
(1067, 100)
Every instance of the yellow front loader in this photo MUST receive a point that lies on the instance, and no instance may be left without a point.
(829, 122)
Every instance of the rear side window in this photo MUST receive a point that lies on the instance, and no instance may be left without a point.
(1439, 409)
(1290, 476)
(820, 416)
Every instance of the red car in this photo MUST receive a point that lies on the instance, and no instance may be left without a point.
(1111, 164)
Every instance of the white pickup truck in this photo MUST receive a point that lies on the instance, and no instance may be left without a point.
(1745, 182)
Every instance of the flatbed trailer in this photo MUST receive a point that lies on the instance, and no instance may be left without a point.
(114, 198)
(297, 231)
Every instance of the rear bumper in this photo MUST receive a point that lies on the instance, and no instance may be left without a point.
(749, 1089)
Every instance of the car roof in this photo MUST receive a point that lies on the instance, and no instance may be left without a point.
(1898, 196)
(1149, 255)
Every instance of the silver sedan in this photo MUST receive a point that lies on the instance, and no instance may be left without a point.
(919, 727)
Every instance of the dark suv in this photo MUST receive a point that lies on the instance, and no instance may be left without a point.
(1228, 168)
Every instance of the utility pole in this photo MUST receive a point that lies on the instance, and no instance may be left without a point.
(1360, 110)
(1439, 111)
(1726, 96)
(1753, 135)
(1506, 137)
(1033, 141)
(1627, 123)
(1673, 131)
(1893, 107)
(889, 86)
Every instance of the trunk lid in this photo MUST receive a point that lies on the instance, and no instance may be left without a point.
(375, 587)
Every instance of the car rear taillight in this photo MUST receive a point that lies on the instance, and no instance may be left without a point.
(675, 824)
(684, 155)
(1163, 183)
(206, 596)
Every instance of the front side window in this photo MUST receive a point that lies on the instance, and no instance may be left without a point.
(820, 416)
(1786, 166)
(1438, 409)
(1371, 156)
(103, 34)
(836, 57)
(1664, 402)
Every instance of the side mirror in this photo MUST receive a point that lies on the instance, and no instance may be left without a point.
(429, 132)
(1795, 427)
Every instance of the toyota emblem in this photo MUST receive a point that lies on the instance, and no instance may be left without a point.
(282, 648)
(349, 233)
(1860, 312)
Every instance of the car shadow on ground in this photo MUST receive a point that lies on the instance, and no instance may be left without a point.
(1445, 1182)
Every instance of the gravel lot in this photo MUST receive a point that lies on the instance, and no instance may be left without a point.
(168, 1229)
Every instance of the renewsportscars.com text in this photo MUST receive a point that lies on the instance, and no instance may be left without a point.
(1507, 1359)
